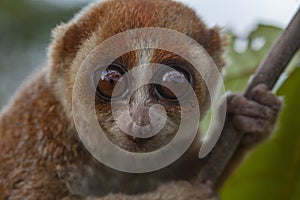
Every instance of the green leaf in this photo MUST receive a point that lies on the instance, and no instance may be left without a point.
(243, 64)
(272, 171)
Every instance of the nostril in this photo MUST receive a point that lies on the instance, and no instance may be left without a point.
(141, 117)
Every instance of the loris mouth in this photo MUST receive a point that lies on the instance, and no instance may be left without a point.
(145, 145)
(130, 142)
(139, 141)
(139, 145)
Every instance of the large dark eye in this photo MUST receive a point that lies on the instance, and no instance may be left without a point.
(106, 80)
(175, 79)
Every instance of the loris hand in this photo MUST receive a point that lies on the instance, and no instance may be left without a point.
(255, 117)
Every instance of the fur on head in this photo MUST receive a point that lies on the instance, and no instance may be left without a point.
(74, 40)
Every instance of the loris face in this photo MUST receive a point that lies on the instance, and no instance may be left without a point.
(134, 86)
(134, 94)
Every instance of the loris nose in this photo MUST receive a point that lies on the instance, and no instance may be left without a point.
(139, 104)
(140, 125)
(140, 115)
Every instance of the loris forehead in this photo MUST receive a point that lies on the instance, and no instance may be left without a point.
(166, 14)
(100, 21)
(119, 15)
(143, 57)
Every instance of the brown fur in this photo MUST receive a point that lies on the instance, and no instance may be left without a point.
(41, 157)
(35, 142)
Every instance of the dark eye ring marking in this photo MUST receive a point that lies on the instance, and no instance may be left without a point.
(178, 79)
(105, 80)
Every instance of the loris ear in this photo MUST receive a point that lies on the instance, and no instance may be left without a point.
(68, 40)
(215, 42)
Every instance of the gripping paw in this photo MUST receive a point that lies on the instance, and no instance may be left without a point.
(255, 117)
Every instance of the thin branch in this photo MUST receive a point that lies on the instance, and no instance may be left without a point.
(268, 73)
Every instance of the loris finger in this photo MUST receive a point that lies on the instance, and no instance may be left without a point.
(262, 95)
(239, 105)
(248, 124)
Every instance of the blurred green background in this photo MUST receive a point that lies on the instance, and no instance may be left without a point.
(272, 171)
(24, 37)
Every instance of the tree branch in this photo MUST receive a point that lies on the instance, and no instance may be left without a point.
(268, 73)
